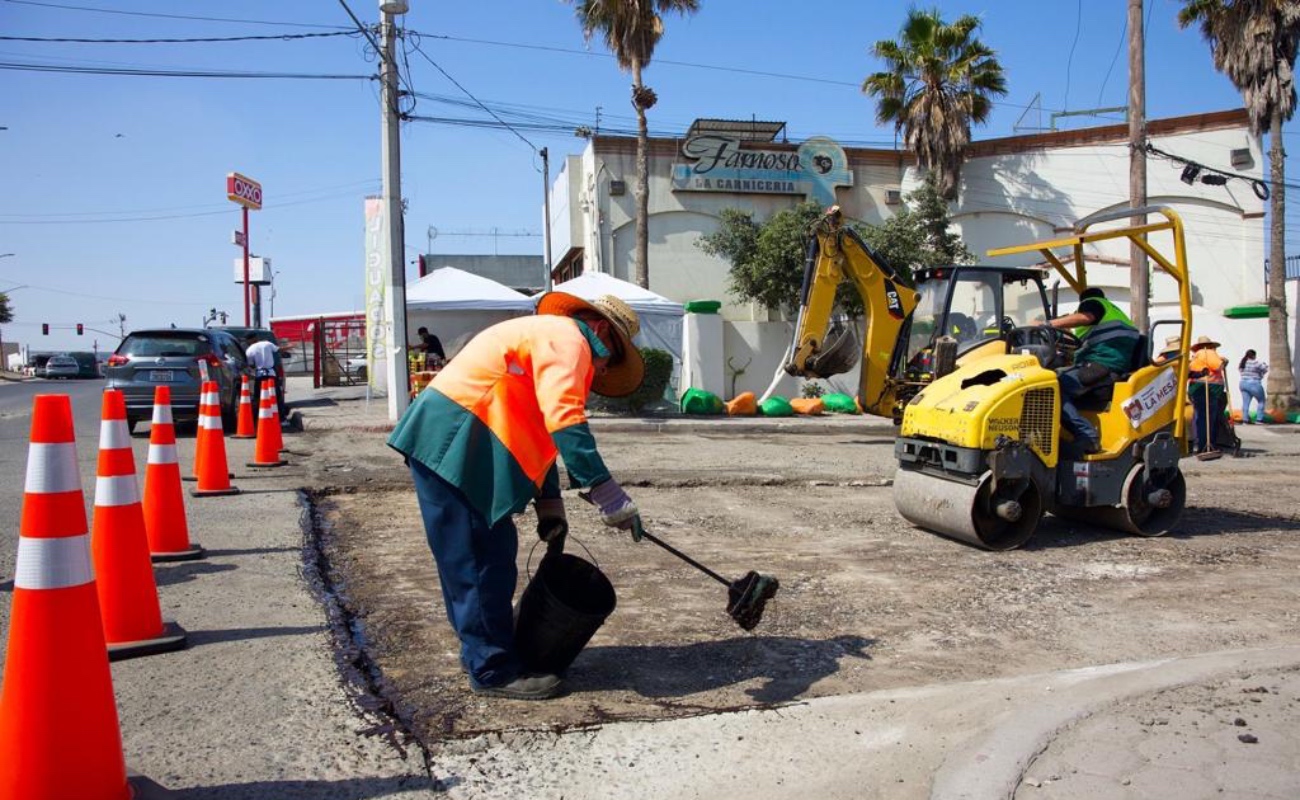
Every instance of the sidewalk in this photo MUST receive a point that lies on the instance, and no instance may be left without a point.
(1223, 724)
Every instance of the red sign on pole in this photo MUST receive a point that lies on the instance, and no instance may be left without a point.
(245, 191)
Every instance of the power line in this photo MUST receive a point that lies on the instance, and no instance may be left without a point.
(416, 46)
(173, 16)
(156, 218)
(1069, 62)
(176, 73)
(283, 37)
(204, 207)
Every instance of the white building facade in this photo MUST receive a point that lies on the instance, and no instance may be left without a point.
(1013, 190)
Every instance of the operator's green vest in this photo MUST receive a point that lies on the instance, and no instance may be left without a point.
(1111, 341)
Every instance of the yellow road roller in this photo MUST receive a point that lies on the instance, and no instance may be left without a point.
(980, 452)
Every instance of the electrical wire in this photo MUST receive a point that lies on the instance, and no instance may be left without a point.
(279, 37)
(1069, 62)
(66, 7)
(1258, 185)
(471, 96)
(160, 217)
(18, 66)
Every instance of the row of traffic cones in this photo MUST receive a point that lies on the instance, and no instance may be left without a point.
(83, 599)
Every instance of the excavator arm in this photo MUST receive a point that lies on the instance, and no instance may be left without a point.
(823, 348)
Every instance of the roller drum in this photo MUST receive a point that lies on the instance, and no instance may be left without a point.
(968, 512)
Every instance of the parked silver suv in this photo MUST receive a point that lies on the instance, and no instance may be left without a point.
(171, 357)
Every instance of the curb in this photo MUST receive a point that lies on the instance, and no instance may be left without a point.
(993, 764)
(730, 425)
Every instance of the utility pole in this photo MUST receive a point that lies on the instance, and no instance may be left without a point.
(546, 210)
(395, 298)
(1139, 276)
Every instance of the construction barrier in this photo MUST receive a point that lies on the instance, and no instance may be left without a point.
(128, 596)
(164, 503)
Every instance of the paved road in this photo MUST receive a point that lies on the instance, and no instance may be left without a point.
(254, 708)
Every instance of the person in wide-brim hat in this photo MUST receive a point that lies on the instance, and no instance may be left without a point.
(625, 370)
(1204, 341)
(482, 441)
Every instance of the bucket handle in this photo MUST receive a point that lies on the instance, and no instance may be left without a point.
(528, 562)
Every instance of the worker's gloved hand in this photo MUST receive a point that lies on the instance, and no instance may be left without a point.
(617, 509)
(552, 525)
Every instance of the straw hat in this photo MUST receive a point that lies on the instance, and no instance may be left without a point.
(627, 368)
(1174, 341)
(1204, 341)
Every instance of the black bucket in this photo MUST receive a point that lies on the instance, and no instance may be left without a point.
(562, 607)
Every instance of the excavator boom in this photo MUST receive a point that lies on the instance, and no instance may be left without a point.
(823, 347)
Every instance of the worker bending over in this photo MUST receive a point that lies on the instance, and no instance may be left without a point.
(1109, 339)
(481, 442)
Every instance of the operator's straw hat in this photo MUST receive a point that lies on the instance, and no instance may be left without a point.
(626, 368)
(1205, 341)
(1174, 341)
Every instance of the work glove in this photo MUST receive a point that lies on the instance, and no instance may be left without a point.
(552, 525)
(617, 509)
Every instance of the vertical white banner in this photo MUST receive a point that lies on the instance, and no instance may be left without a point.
(377, 282)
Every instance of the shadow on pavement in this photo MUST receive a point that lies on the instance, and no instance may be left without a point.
(788, 665)
(251, 551)
(244, 634)
(315, 402)
(1055, 532)
(185, 571)
(344, 789)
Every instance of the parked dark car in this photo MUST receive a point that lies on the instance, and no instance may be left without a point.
(261, 335)
(147, 359)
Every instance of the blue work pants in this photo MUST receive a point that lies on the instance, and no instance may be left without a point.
(476, 567)
(1207, 413)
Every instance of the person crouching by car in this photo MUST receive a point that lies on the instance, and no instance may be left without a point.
(261, 356)
(481, 442)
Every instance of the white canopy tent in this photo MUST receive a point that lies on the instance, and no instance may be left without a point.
(455, 305)
(661, 318)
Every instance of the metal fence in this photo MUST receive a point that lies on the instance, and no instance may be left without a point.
(1292, 268)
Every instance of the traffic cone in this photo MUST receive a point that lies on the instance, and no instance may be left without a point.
(207, 395)
(210, 461)
(128, 596)
(164, 503)
(266, 452)
(59, 733)
(244, 430)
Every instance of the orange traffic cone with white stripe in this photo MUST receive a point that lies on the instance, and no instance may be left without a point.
(244, 429)
(59, 733)
(266, 452)
(128, 596)
(210, 460)
(164, 503)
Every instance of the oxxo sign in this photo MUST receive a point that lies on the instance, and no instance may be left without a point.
(245, 191)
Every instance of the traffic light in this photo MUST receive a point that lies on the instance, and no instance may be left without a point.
(45, 329)
(79, 329)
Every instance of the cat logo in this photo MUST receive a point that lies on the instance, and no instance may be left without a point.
(893, 303)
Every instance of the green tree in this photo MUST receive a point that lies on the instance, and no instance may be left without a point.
(938, 80)
(631, 29)
(1254, 43)
(767, 259)
(6, 317)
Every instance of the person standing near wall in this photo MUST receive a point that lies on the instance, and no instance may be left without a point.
(1252, 371)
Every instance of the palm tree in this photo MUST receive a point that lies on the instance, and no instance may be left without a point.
(1254, 42)
(631, 29)
(938, 80)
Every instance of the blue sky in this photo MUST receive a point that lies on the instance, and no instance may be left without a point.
(115, 198)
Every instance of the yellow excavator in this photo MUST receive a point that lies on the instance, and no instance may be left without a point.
(970, 373)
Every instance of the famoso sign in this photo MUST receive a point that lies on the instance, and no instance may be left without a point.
(721, 165)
